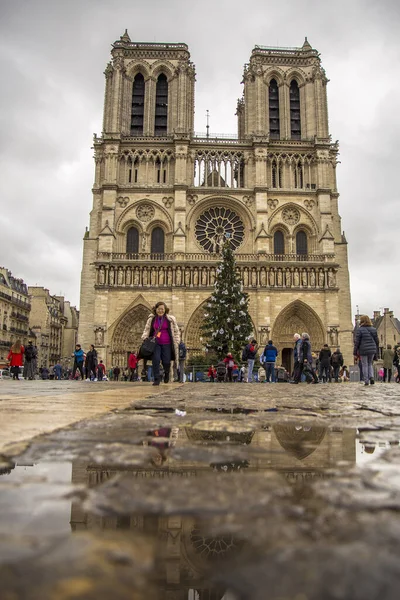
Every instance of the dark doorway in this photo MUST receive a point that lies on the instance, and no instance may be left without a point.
(287, 359)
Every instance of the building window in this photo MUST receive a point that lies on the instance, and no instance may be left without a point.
(132, 241)
(157, 241)
(276, 175)
(279, 242)
(298, 175)
(301, 242)
(137, 115)
(161, 119)
(161, 172)
(274, 130)
(295, 129)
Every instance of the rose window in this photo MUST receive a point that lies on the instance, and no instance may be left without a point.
(216, 225)
(213, 548)
(291, 216)
(145, 212)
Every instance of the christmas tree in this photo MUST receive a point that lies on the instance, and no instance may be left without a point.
(227, 323)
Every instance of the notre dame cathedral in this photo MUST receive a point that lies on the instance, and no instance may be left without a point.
(164, 198)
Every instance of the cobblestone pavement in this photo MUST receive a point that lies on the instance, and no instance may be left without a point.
(209, 492)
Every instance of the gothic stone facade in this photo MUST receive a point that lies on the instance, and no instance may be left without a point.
(164, 199)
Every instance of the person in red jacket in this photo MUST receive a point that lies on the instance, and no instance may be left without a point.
(132, 364)
(16, 358)
(101, 369)
(229, 363)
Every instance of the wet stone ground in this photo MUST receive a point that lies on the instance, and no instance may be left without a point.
(210, 492)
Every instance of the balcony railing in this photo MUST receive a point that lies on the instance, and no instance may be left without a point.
(206, 257)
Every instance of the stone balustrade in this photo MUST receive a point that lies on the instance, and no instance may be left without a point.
(206, 257)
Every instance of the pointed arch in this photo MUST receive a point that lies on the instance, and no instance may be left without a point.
(193, 331)
(161, 109)
(137, 112)
(295, 123)
(273, 97)
(296, 318)
(126, 332)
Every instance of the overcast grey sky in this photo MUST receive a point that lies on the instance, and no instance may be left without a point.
(52, 57)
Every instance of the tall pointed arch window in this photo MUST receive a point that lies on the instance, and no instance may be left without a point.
(137, 113)
(298, 175)
(295, 126)
(161, 118)
(301, 242)
(276, 174)
(279, 242)
(157, 241)
(132, 241)
(274, 129)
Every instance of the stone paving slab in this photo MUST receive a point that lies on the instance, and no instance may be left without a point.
(31, 408)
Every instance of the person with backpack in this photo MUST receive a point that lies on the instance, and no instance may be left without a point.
(306, 360)
(30, 361)
(336, 362)
(182, 352)
(249, 354)
(268, 359)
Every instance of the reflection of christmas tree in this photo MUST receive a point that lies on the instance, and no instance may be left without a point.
(227, 324)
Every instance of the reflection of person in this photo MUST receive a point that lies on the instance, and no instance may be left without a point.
(15, 358)
(366, 345)
(160, 444)
(164, 327)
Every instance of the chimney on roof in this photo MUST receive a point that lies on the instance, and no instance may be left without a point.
(377, 314)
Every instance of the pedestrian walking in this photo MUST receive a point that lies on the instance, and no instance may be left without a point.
(229, 364)
(133, 365)
(296, 375)
(269, 360)
(15, 358)
(249, 354)
(101, 370)
(388, 357)
(325, 364)
(164, 327)
(182, 359)
(30, 356)
(116, 373)
(78, 361)
(306, 359)
(337, 363)
(366, 345)
(57, 370)
(91, 364)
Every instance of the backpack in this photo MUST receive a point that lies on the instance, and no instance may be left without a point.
(29, 353)
(244, 353)
(182, 351)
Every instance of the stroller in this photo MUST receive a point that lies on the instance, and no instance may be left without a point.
(221, 371)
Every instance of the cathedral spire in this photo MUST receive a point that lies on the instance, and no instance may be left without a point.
(306, 46)
(125, 37)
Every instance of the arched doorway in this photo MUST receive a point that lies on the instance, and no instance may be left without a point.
(127, 334)
(193, 330)
(296, 318)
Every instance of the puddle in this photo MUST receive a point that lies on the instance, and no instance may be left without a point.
(187, 506)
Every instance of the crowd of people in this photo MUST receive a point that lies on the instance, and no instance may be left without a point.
(162, 347)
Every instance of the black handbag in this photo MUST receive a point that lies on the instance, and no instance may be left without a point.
(147, 348)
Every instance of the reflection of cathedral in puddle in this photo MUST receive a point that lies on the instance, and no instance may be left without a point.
(299, 452)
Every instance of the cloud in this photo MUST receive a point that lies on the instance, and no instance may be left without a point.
(52, 58)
